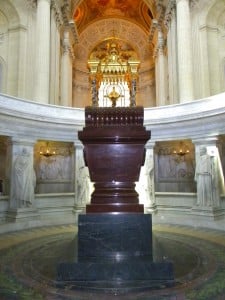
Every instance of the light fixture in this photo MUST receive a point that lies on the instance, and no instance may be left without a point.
(181, 150)
(47, 151)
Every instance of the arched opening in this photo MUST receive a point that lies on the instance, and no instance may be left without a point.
(113, 72)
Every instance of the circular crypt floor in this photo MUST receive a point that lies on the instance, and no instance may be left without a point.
(28, 261)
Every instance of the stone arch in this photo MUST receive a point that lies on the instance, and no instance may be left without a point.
(10, 13)
(9, 40)
(215, 12)
(124, 30)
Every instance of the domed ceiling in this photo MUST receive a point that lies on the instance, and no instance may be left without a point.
(135, 11)
(127, 22)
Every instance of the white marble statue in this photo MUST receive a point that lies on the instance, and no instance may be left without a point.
(149, 169)
(145, 186)
(205, 175)
(83, 182)
(23, 180)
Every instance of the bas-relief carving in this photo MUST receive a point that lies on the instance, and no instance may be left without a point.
(55, 167)
(171, 166)
(54, 173)
(174, 173)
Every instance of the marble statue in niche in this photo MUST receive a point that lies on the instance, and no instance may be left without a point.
(207, 179)
(146, 184)
(23, 180)
(82, 182)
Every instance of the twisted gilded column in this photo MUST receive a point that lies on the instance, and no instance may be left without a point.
(185, 68)
(41, 86)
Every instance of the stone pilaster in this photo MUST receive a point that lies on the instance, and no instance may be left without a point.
(41, 86)
(185, 67)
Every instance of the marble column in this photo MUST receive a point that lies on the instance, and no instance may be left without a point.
(22, 181)
(161, 66)
(82, 180)
(170, 22)
(146, 184)
(66, 71)
(185, 67)
(208, 175)
(41, 84)
(56, 24)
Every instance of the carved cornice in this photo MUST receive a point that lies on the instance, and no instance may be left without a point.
(153, 27)
(160, 11)
(158, 21)
(193, 3)
(66, 14)
(31, 4)
(171, 7)
(69, 22)
(57, 12)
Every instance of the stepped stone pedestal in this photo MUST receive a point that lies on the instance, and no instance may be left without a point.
(114, 236)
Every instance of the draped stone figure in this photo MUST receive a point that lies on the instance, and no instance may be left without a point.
(206, 179)
(149, 169)
(83, 189)
(145, 186)
(23, 180)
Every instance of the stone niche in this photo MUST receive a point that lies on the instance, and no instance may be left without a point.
(174, 171)
(54, 173)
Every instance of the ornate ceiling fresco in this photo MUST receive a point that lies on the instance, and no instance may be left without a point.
(135, 11)
(127, 20)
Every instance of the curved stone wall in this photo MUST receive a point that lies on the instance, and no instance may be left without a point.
(200, 122)
(198, 119)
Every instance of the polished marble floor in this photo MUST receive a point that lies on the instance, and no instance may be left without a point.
(28, 261)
